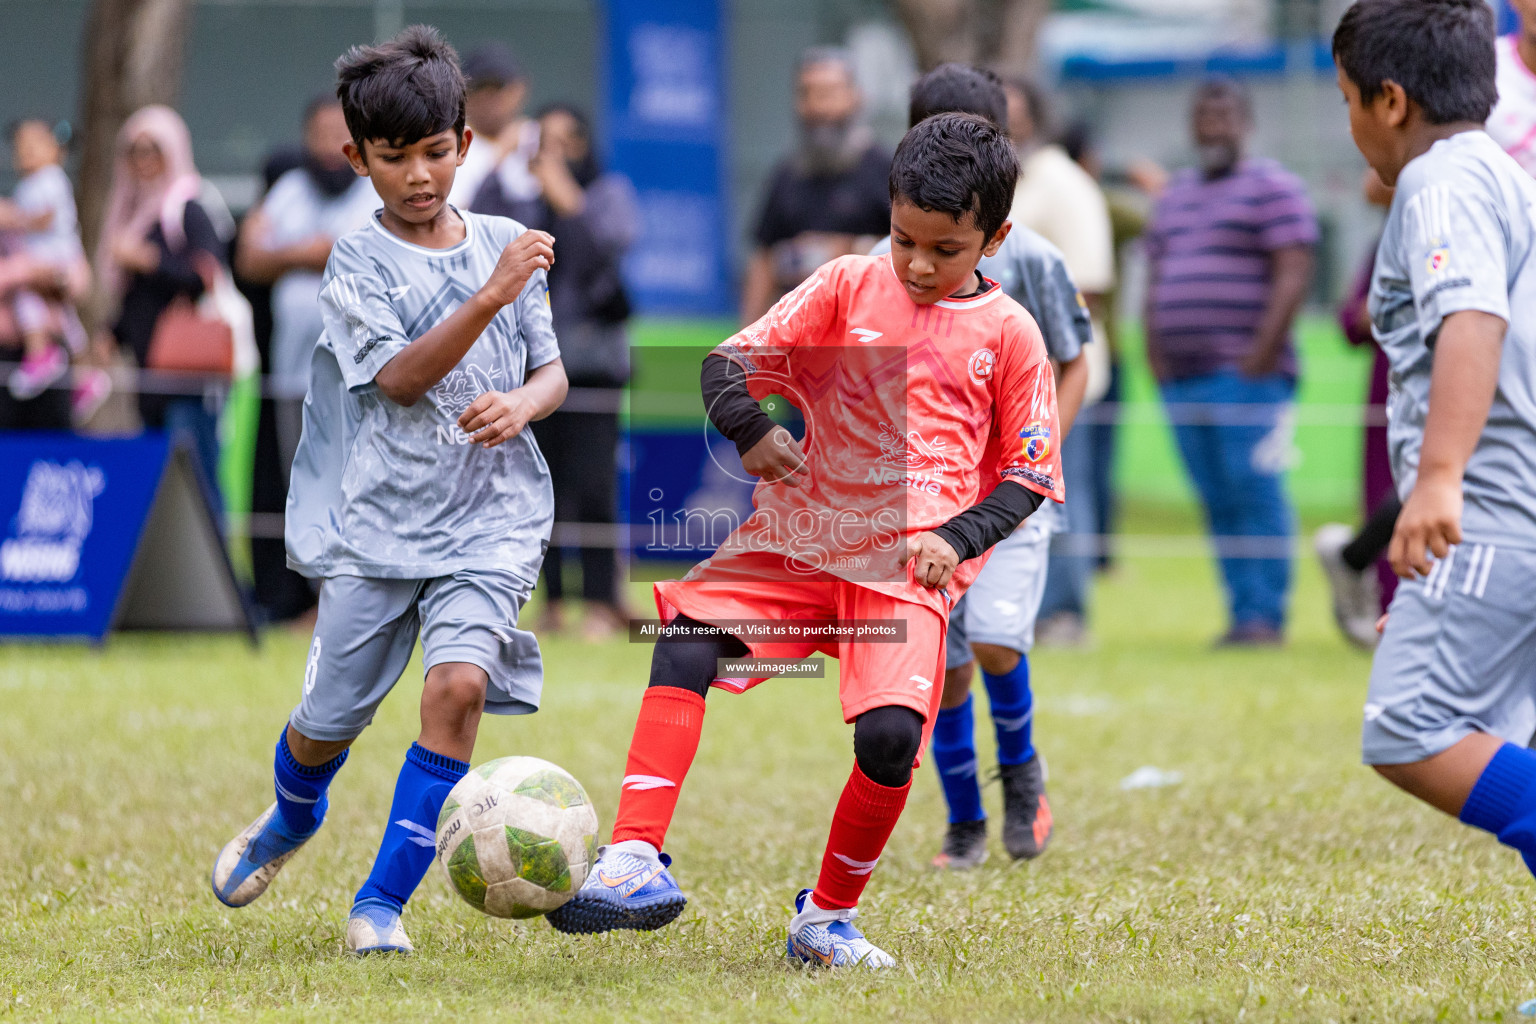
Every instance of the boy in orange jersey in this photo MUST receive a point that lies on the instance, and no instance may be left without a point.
(931, 433)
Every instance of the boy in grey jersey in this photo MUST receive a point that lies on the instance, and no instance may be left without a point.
(416, 494)
(1452, 704)
(994, 623)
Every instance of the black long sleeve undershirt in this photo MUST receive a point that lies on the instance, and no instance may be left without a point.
(729, 405)
(734, 413)
(991, 519)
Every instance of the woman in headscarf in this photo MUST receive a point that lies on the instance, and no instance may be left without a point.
(157, 244)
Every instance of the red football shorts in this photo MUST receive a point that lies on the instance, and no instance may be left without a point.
(872, 674)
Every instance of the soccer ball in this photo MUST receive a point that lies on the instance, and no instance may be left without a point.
(516, 837)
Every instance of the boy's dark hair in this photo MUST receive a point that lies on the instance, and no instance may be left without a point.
(957, 164)
(958, 88)
(1439, 51)
(401, 91)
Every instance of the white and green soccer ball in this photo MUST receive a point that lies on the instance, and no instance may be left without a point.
(516, 837)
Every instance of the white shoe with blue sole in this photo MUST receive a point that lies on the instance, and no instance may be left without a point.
(374, 927)
(827, 938)
(628, 887)
(249, 862)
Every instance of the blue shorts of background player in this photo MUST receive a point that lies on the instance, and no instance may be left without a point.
(1452, 700)
(417, 494)
(994, 624)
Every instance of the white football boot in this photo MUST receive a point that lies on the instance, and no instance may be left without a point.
(249, 862)
(374, 927)
(827, 938)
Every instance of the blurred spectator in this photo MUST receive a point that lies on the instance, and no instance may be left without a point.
(1513, 120)
(1129, 204)
(284, 243)
(1359, 575)
(1229, 256)
(594, 219)
(1060, 200)
(830, 197)
(159, 242)
(42, 215)
(49, 409)
(504, 140)
(43, 273)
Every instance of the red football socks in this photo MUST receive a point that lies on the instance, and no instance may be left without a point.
(866, 814)
(666, 738)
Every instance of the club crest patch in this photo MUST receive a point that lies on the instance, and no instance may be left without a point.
(1037, 441)
(1439, 258)
(981, 365)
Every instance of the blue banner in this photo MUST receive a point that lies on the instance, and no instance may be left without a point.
(71, 513)
(685, 492)
(665, 107)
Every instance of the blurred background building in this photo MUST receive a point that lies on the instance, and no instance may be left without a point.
(1123, 66)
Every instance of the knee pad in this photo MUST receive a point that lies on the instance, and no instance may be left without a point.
(885, 743)
(688, 661)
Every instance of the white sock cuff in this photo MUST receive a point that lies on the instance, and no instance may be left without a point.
(638, 848)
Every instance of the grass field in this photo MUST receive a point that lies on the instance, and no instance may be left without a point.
(1278, 881)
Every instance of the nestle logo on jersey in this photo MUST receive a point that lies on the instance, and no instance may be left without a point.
(909, 459)
(886, 475)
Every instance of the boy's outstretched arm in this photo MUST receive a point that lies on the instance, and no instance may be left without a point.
(1461, 389)
(418, 367)
(499, 416)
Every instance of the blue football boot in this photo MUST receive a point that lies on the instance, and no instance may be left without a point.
(628, 887)
(374, 927)
(249, 862)
(827, 938)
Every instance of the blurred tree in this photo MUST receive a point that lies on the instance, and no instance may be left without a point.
(133, 57)
(999, 34)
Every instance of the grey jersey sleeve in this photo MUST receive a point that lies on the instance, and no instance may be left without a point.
(362, 326)
(1457, 251)
(1060, 309)
(535, 322)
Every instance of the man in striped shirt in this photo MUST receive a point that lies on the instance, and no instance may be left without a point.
(1229, 255)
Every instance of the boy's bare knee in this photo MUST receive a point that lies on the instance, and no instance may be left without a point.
(995, 659)
(456, 687)
(957, 685)
(312, 753)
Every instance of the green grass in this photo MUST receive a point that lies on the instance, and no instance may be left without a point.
(1279, 881)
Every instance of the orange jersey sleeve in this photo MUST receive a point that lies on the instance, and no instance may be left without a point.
(801, 318)
(1027, 425)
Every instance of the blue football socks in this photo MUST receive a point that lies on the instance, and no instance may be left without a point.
(1013, 712)
(410, 836)
(301, 799)
(1504, 801)
(954, 754)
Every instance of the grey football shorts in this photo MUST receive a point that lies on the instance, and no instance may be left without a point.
(1000, 607)
(1458, 656)
(367, 630)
